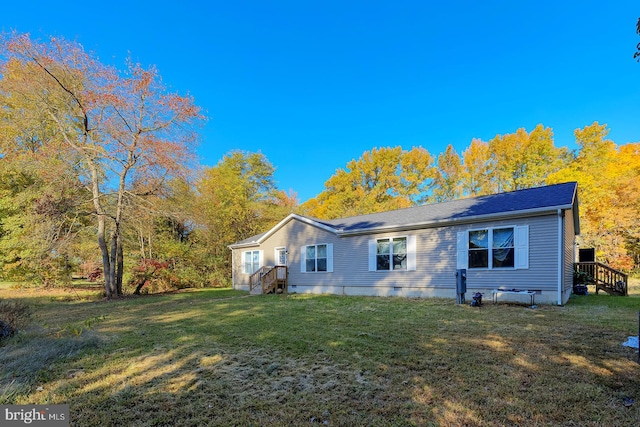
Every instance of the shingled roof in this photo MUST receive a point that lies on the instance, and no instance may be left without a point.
(495, 206)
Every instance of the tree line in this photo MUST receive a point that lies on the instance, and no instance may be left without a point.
(99, 178)
(392, 178)
(608, 179)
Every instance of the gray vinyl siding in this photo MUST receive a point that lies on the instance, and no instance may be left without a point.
(436, 260)
(543, 263)
(239, 279)
(437, 232)
(292, 235)
(354, 264)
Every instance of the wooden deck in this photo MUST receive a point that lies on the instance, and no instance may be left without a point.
(605, 278)
(269, 279)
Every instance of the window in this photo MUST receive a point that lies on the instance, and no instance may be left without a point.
(492, 248)
(504, 247)
(251, 261)
(392, 253)
(479, 249)
(317, 258)
(503, 250)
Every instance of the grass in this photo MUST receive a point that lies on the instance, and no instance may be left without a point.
(218, 357)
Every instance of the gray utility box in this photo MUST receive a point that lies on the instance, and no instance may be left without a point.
(461, 280)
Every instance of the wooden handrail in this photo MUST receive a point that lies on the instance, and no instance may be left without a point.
(256, 278)
(604, 277)
(267, 277)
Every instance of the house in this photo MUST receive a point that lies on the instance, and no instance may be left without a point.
(523, 239)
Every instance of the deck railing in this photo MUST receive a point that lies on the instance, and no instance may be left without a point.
(604, 277)
(256, 278)
(269, 278)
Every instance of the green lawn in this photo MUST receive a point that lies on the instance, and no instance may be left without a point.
(219, 357)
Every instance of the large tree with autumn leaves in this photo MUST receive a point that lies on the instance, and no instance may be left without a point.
(382, 179)
(608, 177)
(120, 132)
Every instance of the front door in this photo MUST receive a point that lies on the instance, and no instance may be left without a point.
(281, 259)
(281, 256)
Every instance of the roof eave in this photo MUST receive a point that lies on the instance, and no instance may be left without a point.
(243, 245)
(281, 224)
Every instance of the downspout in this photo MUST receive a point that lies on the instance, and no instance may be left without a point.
(560, 256)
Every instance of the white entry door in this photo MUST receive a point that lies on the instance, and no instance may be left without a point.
(281, 259)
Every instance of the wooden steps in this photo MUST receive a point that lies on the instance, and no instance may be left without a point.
(269, 280)
(605, 278)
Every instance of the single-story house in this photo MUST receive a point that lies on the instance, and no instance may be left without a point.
(522, 239)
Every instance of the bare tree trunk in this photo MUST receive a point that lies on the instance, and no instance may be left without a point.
(95, 193)
(120, 265)
(102, 243)
(117, 256)
(113, 259)
(101, 232)
(116, 260)
(141, 239)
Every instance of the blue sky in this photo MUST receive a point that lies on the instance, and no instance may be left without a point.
(314, 84)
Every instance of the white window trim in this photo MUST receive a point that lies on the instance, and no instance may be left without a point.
(411, 253)
(303, 258)
(520, 244)
(260, 260)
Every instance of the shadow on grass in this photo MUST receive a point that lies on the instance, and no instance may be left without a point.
(27, 360)
(195, 359)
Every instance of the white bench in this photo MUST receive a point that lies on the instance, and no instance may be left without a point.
(496, 292)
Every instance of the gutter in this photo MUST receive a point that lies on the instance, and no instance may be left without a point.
(243, 245)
